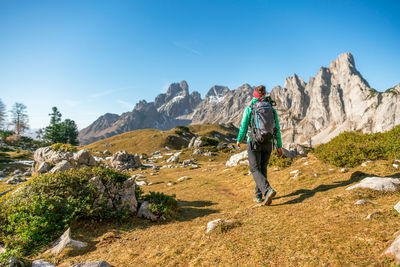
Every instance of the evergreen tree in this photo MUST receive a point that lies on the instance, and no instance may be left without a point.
(3, 114)
(70, 132)
(19, 118)
(61, 132)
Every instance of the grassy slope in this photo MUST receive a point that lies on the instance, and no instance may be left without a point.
(6, 157)
(312, 221)
(150, 140)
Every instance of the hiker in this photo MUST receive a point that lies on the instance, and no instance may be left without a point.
(263, 132)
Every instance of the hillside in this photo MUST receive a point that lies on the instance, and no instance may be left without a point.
(312, 221)
(151, 140)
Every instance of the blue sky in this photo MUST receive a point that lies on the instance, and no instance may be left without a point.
(93, 57)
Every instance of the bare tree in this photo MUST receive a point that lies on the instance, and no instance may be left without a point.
(19, 118)
(3, 114)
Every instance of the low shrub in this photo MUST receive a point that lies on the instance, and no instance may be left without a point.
(283, 162)
(162, 205)
(183, 128)
(63, 147)
(350, 149)
(209, 141)
(48, 203)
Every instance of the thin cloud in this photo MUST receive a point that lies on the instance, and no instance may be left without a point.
(125, 104)
(187, 48)
(108, 92)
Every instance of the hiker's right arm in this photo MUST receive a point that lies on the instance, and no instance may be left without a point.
(245, 124)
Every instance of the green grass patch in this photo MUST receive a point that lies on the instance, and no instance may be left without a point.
(162, 205)
(63, 147)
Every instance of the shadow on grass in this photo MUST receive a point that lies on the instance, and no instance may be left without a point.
(189, 210)
(303, 194)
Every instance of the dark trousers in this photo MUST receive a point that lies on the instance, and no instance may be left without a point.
(258, 156)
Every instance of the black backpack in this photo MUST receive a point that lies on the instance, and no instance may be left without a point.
(263, 127)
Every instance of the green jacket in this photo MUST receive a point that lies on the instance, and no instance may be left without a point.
(246, 120)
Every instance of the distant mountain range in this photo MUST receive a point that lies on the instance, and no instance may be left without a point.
(338, 99)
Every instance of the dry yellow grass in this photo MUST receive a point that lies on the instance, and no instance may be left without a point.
(311, 222)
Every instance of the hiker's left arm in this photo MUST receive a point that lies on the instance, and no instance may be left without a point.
(244, 124)
(278, 132)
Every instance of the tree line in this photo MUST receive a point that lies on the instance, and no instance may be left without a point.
(57, 131)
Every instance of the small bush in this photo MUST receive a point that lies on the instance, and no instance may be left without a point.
(183, 128)
(63, 147)
(162, 205)
(350, 149)
(283, 162)
(209, 141)
(48, 203)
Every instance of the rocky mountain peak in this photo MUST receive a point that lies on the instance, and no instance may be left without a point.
(295, 82)
(343, 64)
(217, 91)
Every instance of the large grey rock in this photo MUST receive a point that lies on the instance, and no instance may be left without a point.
(65, 241)
(128, 197)
(84, 157)
(43, 167)
(42, 263)
(377, 183)
(62, 166)
(234, 160)
(394, 250)
(93, 264)
(145, 212)
(173, 159)
(122, 160)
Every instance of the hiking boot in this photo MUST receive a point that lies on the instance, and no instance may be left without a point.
(268, 197)
(257, 199)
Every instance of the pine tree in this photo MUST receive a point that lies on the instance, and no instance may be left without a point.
(3, 114)
(70, 132)
(53, 132)
(19, 118)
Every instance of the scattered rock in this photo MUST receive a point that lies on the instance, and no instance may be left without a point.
(65, 241)
(141, 183)
(173, 159)
(138, 176)
(377, 183)
(145, 212)
(196, 142)
(396, 166)
(234, 160)
(343, 170)
(62, 166)
(244, 162)
(315, 174)
(209, 154)
(187, 162)
(397, 207)
(169, 184)
(213, 224)
(16, 180)
(183, 178)
(364, 164)
(360, 202)
(294, 172)
(197, 151)
(371, 215)
(122, 160)
(42, 263)
(221, 146)
(106, 152)
(306, 163)
(83, 157)
(93, 264)
(394, 250)
(331, 170)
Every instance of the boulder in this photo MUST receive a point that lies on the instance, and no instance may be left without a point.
(42, 263)
(183, 178)
(173, 159)
(197, 151)
(213, 224)
(234, 160)
(93, 264)
(122, 160)
(106, 152)
(196, 142)
(84, 157)
(394, 250)
(209, 154)
(377, 183)
(360, 202)
(145, 212)
(397, 207)
(43, 167)
(65, 241)
(128, 197)
(62, 166)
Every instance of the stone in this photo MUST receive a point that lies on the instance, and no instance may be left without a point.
(371, 215)
(213, 224)
(42, 263)
(65, 241)
(197, 151)
(173, 159)
(234, 160)
(98, 184)
(364, 164)
(141, 183)
(145, 212)
(377, 183)
(14, 262)
(294, 172)
(244, 162)
(106, 152)
(397, 207)
(343, 170)
(360, 202)
(396, 166)
(43, 167)
(122, 160)
(394, 250)
(84, 157)
(187, 162)
(93, 264)
(306, 163)
(169, 184)
(62, 166)
(209, 154)
(183, 178)
(16, 180)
